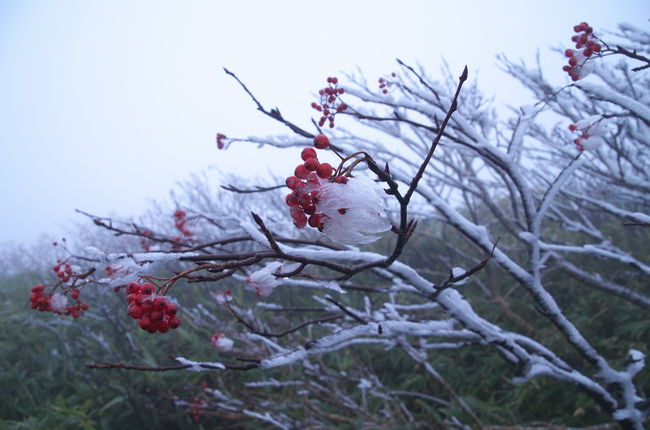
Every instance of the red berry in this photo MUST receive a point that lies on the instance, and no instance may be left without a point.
(299, 217)
(163, 327)
(311, 164)
(308, 153)
(341, 180)
(301, 171)
(133, 288)
(171, 309)
(135, 311)
(309, 209)
(156, 316)
(146, 304)
(146, 289)
(292, 182)
(568, 53)
(174, 322)
(573, 127)
(160, 303)
(314, 220)
(291, 199)
(324, 170)
(74, 294)
(321, 141)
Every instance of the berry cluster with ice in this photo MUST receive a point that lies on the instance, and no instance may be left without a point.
(586, 45)
(155, 313)
(56, 302)
(343, 207)
(591, 131)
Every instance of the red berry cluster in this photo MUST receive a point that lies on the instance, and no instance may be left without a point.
(585, 46)
(43, 302)
(199, 403)
(385, 84)
(181, 223)
(156, 313)
(305, 186)
(578, 141)
(330, 102)
(220, 139)
(63, 271)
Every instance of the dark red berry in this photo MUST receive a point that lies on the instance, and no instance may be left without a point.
(311, 164)
(301, 171)
(321, 141)
(324, 170)
(292, 182)
(308, 153)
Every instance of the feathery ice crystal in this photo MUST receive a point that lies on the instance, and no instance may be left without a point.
(352, 209)
(344, 208)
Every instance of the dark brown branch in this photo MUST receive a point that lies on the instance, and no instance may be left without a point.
(267, 233)
(257, 189)
(420, 78)
(265, 333)
(109, 365)
(273, 113)
(634, 55)
(453, 279)
(346, 310)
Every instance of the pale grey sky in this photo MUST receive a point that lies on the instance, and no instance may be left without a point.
(106, 104)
